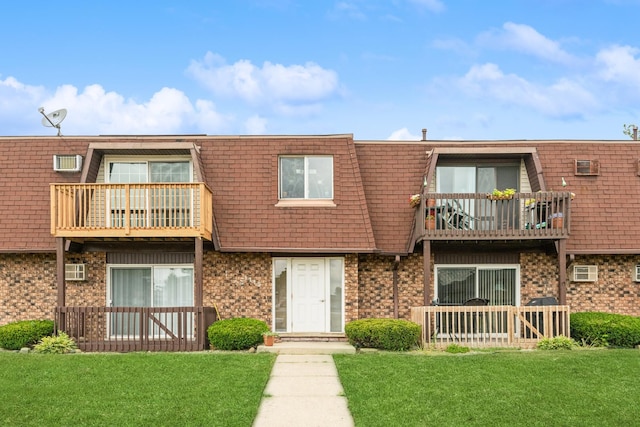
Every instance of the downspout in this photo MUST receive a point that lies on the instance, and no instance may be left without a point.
(396, 264)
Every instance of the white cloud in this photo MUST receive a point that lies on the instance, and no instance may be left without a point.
(275, 85)
(256, 125)
(564, 98)
(403, 135)
(433, 5)
(96, 111)
(620, 65)
(348, 9)
(526, 39)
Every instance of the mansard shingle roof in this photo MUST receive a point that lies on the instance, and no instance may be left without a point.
(372, 179)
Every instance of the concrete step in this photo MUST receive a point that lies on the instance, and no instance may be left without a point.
(308, 347)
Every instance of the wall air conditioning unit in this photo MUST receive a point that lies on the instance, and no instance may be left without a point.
(585, 273)
(76, 272)
(67, 162)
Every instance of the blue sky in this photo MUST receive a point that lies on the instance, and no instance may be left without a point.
(463, 69)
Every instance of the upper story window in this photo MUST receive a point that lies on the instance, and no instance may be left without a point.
(305, 177)
(133, 171)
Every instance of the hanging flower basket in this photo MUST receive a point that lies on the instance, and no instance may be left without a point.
(506, 194)
(414, 200)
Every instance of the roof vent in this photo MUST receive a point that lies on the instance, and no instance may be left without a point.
(67, 162)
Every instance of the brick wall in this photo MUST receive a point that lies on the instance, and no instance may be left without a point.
(28, 285)
(376, 285)
(240, 284)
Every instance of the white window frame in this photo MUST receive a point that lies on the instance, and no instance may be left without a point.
(516, 267)
(585, 273)
(636, 277)
(306, 177)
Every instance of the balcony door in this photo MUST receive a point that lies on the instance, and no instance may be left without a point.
(150, 206)
(149, 286)
(483, 214)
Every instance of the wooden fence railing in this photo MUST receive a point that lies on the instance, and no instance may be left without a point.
(124, 329)
(131, 210)
(460, 216)
(490, 326)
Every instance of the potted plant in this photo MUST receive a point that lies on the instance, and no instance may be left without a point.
(505, 194)
(430, 222)
(269, 338)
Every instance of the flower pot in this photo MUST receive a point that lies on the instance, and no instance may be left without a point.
(431, 203)
(430, 223)
(557, 221)
(268, 340)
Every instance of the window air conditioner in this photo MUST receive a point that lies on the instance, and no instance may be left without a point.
(74, 272)
(585, 273)
(67, 162)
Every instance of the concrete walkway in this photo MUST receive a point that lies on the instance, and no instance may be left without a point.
(304, 389)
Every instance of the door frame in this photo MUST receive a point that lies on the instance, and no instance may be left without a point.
(327, 292)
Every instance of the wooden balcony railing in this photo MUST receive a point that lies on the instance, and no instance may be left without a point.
(464, 216)
(131, 210)
(490, 326)
(124, 329)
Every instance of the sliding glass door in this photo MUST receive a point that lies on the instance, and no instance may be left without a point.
(497, 283)
(149, 286)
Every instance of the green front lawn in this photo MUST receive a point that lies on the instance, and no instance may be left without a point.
(540, 388)
(135, 389)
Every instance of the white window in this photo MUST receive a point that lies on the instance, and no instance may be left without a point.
(74, 272)
(636, 276)
(306, 177)
(456, 284)
(148, 286)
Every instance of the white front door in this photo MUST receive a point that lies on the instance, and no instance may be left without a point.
(308, 296)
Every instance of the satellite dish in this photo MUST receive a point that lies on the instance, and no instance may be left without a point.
(54, 118)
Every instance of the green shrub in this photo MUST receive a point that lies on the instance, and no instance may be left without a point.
(25, 333)
(605, 329)
(239, 333)
(56, 344)
(556, 343)
(455, 349)
(383, 334)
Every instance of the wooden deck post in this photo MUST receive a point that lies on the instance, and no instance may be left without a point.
(198, 273)
(396, 264)
(60, 286)
(562, 271)
(426, 255)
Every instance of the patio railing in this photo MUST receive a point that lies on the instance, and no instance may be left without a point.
(124, 329)
(131, 210)
(463, 216)
(490, 326)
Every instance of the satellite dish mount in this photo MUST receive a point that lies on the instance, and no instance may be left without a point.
(53, 119)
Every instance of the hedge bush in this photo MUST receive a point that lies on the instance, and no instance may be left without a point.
(240, 333)
(605, 329)
(383, 334)
(25, 333)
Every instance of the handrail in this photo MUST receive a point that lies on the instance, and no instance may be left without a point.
(451, 216)
(131, 210)
(490, 326)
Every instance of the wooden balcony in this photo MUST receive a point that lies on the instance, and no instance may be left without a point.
(490, 326)
(464, 216)
(131, 210)
(124, 329)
